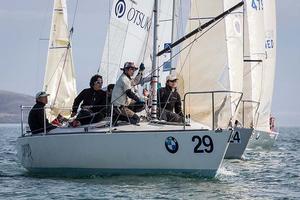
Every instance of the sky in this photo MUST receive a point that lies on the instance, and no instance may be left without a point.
(23, 49)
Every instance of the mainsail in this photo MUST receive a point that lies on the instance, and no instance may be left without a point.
(254, 52)
(127, 38)
(269, 65)
(59, 80)
(212, 61)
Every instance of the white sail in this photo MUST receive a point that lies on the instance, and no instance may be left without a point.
(269, 65)
(128, 37)
(235, 43)
(59, 80)
(209, 63)
(254, 56)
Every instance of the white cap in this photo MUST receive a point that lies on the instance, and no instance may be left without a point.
(41, 94)
(171, 77)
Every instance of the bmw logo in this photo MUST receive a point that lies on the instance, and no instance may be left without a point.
(171, 144)
(120, 8)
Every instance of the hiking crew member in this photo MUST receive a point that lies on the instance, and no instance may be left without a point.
(169, 101)
(123, 92)
(93, 107)
(36, 117)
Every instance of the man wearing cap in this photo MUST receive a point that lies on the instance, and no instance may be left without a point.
(123, 92)
(36, 118)
(93, 102)
(169, 102)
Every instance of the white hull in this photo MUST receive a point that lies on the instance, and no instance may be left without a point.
(262, 139)
(123, 152)
(238, 143)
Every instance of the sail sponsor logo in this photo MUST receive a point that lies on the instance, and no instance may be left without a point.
(171, 144)
(133, 15)
(120, 8)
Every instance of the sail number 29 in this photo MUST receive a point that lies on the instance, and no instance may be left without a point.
(203, 145)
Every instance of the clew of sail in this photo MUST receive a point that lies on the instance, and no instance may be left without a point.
(128, 37)
(211, 63)
(254, 52)
(59, 80)
(269, 65)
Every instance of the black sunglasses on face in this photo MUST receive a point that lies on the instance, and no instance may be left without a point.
(173, 81)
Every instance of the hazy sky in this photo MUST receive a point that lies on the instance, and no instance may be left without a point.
(23, 55)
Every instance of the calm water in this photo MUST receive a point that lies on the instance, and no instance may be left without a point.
(261, 175)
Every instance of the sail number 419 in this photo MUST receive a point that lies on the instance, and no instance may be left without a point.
(203, 145)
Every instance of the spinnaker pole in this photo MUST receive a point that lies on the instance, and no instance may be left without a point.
(201, 28)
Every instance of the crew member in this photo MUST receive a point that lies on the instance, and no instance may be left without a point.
(93, 102)
(169, 102)
(123, 93)
(36, 119)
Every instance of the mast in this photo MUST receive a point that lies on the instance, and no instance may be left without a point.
(154, 70)
(172, 35)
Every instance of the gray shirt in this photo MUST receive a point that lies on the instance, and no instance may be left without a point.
(124, 83)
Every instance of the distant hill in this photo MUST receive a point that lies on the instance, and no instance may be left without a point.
(10, 106)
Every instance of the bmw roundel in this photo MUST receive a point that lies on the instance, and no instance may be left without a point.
(171, 144)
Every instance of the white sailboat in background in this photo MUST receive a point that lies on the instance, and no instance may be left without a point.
(265, 135)
(60, 80)
(151, 147)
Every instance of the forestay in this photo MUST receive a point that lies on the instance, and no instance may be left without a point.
(59, 80)
(128, 37)
(212, 62)
(269, 65)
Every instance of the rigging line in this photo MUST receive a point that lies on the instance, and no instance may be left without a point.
(75, 13)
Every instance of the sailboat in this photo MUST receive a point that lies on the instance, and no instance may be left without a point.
(265, 135)
(149, 148)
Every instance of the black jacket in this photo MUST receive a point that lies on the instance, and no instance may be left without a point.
(90, 97)
(36, 119)
(172, 103)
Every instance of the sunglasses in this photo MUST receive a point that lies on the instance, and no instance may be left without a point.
(173, 81)
(99, 82)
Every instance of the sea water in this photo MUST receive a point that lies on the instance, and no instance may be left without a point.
(261, 174)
